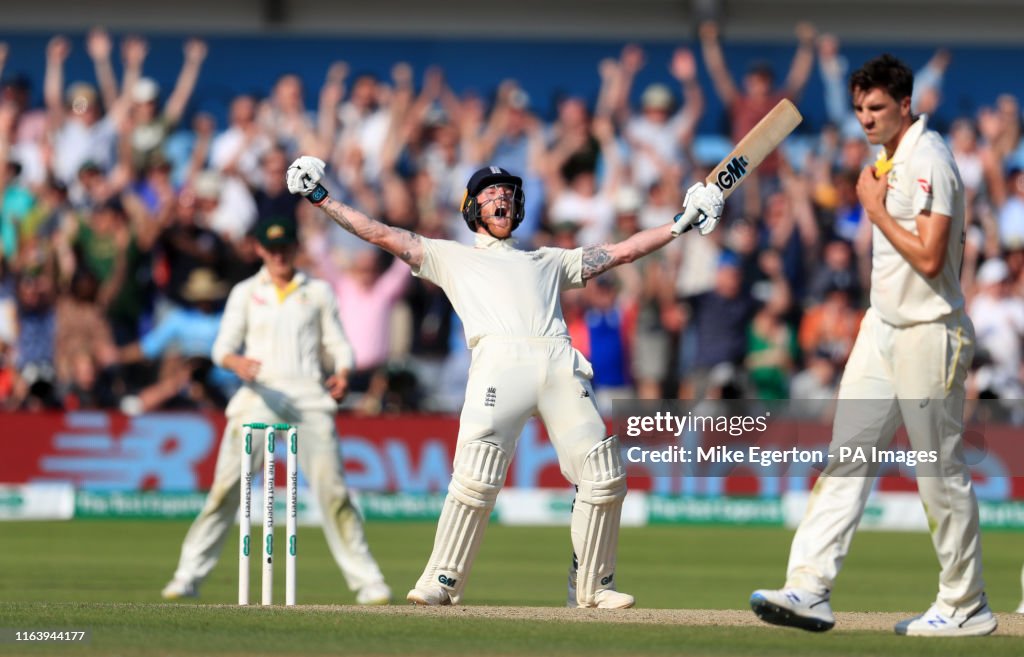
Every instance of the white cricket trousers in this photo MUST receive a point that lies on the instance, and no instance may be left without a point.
(511, 379)
(320, 462)
(914, 375)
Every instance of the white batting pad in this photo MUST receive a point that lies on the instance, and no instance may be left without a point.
(595, 519)
(479, 473)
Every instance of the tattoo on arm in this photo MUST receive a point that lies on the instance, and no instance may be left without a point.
(596, 261)
(408, 237)
(362, 227)
(339, 216)
(403, 243)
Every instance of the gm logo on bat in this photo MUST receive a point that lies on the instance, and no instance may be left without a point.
(733, 172)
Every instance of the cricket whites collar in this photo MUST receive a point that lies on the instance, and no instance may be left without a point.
(489, 242)
(906, 145)
(297, 280)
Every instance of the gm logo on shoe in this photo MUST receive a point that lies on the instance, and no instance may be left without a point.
(605, 581)
(446, 581)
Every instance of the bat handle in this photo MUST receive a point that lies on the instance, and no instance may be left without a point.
(679, 228)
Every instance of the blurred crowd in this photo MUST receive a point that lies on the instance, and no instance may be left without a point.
(123, 227)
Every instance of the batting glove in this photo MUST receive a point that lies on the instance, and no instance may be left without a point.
(304, 176)
(702, 207)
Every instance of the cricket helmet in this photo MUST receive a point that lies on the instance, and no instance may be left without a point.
(481, 180)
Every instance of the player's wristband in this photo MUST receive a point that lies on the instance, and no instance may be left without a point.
(318, 196)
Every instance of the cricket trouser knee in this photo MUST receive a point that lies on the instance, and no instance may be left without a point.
(595, 519)
(479, 473)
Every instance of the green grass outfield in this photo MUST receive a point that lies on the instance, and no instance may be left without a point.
(106, 575)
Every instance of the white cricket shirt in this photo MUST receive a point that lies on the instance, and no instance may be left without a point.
(499, 290)
(294, 333)
(923, 177)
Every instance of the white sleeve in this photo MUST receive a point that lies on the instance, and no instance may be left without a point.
(935, 184)
(571, 268)
(233, 325)
(335, 347)
(432, 267)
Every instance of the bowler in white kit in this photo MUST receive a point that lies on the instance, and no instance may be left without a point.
(908, 365)
(523, 363)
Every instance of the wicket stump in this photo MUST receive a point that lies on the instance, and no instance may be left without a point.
(245, 512)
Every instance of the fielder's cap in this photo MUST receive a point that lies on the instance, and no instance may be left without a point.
(146, 90)
(657, 97)
(993, 271)
(488, 176)
(277, 231)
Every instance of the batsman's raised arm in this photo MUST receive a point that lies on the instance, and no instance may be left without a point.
(702, 207)
(304, 177)
(600, 258)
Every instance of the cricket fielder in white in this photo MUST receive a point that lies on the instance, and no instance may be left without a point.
(908, 365)
(282, 335)
(522, 364)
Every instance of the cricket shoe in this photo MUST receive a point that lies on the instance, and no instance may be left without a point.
(978, 622)
(178, 589)
(377, 593)
(793, 607)
(609, 599)
(432, 597)
(605, 599)
(1020, 607)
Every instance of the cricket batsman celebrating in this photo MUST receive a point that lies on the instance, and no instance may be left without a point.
(522, 364)
(908, 365)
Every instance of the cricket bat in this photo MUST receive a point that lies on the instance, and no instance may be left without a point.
(762, 139)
